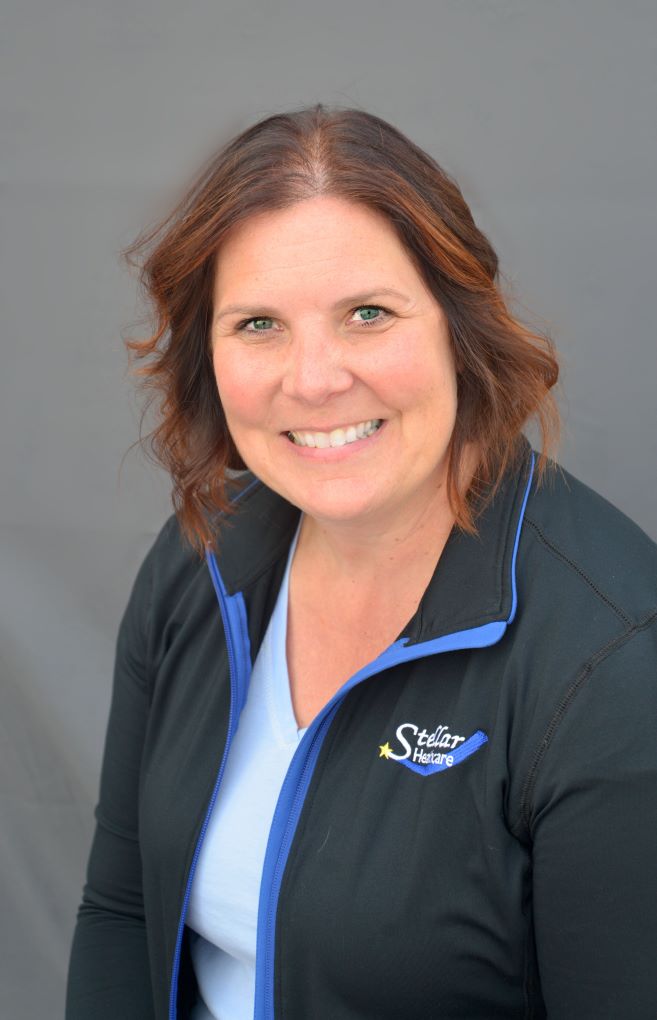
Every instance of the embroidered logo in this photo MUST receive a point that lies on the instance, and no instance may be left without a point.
(427, 752)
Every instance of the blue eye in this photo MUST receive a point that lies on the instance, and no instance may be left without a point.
(371, 308)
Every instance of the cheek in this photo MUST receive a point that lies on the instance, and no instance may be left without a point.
(415, 373)
(240, 388)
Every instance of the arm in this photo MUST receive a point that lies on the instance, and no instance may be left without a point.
(109, 975)
(594, 827)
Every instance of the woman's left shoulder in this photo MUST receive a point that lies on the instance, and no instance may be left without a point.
(568, 522)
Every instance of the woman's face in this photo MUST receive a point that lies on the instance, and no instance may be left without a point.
(339, 395)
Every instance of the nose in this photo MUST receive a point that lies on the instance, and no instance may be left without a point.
(316, 367)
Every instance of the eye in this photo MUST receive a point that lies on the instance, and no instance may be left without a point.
(376, 319)
(241, 326)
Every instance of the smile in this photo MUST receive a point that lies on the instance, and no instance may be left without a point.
(338, 437)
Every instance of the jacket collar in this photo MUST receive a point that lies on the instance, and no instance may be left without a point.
(474, 581)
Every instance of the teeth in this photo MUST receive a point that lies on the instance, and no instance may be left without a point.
(338, 437)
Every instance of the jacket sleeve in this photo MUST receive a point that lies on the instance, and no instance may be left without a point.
(109, 975)
(594, 822)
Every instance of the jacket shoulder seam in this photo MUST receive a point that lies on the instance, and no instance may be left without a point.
(526, 806)
(556, 551)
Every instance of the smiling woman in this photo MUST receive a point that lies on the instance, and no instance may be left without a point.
(295, 391)
(354, 764)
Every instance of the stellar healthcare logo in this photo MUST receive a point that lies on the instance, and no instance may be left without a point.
(426, 752)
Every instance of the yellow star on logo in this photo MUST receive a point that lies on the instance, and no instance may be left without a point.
(385, 750)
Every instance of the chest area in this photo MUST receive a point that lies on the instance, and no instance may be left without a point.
(403, 843)
(326, 644)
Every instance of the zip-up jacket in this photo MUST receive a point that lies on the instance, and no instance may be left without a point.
(467, 830)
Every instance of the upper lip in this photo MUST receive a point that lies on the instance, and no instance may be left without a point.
(331, 428)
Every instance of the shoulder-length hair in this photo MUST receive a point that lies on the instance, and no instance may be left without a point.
(504, 371)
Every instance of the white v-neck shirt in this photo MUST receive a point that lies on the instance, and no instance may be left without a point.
(223, 904)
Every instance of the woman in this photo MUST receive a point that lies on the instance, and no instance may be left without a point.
(381, 741)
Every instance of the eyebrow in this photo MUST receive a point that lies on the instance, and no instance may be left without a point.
(352, 299)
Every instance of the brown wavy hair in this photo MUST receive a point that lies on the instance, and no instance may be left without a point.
(505, 371)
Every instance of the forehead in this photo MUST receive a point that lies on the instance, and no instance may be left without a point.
(319, 240)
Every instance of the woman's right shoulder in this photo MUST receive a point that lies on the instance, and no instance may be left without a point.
(172, 567)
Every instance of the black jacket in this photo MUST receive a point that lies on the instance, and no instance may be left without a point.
(467, 830)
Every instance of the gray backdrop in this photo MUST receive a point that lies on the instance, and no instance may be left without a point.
(544, 110)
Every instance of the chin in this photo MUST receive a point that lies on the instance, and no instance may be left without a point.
(338, 507)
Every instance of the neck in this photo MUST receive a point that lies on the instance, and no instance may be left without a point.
(363, 551)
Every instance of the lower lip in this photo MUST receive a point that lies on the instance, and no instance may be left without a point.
(331, 454)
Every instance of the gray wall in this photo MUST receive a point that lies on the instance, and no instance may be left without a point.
(544, 110)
